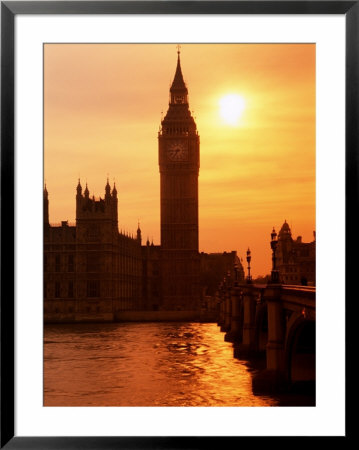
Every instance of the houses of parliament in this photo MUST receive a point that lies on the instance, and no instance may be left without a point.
(94, 272)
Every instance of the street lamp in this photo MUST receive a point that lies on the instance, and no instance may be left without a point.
(249, 278)
(274, 244)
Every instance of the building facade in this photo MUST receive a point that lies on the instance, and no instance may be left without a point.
(295, 259)
(215, 266)
(90, 269)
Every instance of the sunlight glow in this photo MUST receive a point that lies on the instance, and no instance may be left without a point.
(231, 108)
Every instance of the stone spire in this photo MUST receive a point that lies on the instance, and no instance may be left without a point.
(86, 192)
(178, 85)
(139, 237)
(107, 190)
(178, 119)
(114, 191)
(79, 188)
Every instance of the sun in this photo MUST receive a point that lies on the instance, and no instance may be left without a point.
(231, 108)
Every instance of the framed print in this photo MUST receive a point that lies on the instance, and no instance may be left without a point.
(164, 167)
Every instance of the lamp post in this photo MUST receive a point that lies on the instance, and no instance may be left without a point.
(274, 244)
(249, 278)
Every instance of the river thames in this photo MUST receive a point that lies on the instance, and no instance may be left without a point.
(147, 364)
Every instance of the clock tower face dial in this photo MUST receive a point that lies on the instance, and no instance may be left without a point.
(177, 151)
(179, 98)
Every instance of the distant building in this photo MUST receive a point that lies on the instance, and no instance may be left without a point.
(215, 266)
(295, 259)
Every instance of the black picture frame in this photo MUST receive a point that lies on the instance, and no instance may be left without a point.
(9, 10)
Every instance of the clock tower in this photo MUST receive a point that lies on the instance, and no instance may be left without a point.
(178, 152)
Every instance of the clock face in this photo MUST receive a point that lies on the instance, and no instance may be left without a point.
(179, 99)
(177, 151)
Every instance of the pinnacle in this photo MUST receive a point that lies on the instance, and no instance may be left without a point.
(178, 83)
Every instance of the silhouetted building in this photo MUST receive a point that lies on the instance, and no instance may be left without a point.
(90, 267)
(295, 259)
(215, 266)
(93, 271)
(178, 152)
(152, 280)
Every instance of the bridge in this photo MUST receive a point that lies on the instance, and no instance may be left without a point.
(275, 321)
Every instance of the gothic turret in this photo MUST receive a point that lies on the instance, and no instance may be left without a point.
(285, 232)
(139, 237)
(107, 191)
(79, 189)
(94, 209)
(114, 191)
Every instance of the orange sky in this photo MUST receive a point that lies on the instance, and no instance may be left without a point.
(102, 111)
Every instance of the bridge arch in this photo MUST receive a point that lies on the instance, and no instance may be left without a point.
(300, 349)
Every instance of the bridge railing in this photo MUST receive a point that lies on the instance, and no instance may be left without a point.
(294, 287)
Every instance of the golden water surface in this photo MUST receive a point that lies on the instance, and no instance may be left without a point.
(144, 364)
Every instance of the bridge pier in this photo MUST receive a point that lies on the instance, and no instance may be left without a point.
(276, 330)
(247, 346)
(221, 313)
(273, 377)
(234, 334)
(227, 311)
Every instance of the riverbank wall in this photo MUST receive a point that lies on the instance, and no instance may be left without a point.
(133, 316)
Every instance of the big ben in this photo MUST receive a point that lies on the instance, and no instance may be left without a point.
(178, 151)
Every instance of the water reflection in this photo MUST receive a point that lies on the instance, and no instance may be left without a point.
(144, 364)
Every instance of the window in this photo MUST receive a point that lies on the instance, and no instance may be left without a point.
(57, 263)
(57, 289)
(71, 265)
(71, 289)
(93, 233)
(93, 262)
(93, 288)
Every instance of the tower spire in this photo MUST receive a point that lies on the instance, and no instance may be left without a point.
(139, 237)
(114, 190)
(79, 188)
(107, 190)
(178, 85)
(178, 119)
